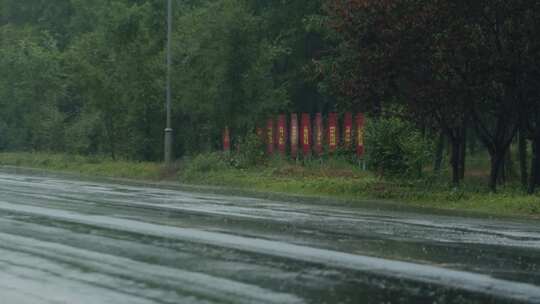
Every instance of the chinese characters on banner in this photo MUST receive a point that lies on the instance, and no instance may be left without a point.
(226, 140)
(270, 136)
(282, 134)
(333, 136)
(360, 122)
(347, 131)
(294, 136)
(305, 134)
(318, 134)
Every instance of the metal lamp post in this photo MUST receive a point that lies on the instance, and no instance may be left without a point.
(168, 130)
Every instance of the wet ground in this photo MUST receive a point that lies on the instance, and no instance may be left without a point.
(78, 241)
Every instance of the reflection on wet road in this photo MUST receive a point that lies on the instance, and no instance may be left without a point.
(76, 241)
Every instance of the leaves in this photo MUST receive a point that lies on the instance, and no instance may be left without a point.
(101, 65)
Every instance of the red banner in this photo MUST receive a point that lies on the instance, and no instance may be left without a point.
(294, 135)
(226, 140)
(318, 134)
(333, 135)
(360, 129)
(270, 136)
(305, 134)
(282, 134)
(347, 130)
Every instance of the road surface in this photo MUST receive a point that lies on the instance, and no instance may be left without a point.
(79, 241)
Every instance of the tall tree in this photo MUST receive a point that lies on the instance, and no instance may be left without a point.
(448, 62)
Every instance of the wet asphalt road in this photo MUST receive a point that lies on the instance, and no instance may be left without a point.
(77, 241)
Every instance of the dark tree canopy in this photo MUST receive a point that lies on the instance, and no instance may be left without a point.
(452, 65)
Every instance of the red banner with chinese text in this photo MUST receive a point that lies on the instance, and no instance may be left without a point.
(282, 134)
(270, 136)
(347, 130)
(294, 135)
(226, 140)
(318, 145)
(305, 134)
(360, 129)
(333, 135)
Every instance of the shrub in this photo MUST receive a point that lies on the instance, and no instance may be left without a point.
(205, 163)
(250, 152)
(396, 148)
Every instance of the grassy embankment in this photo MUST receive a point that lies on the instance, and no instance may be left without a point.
(91, 166)
(332, 178)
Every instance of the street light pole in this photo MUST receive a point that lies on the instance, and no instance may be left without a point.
(168, 130)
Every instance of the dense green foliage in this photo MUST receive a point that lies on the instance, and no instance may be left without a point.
(83, 77)
(397, 148)
(455, 67)
(88, 77)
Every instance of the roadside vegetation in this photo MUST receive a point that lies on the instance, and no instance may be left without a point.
(85, 165)
(400, 169)
(338, 179)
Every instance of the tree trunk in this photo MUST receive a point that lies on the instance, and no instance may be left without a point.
(506, 168)
(523, 157)
(455, 162)
(472, 144)
(496, 164)
(462, 153)
(498, 145)
(439, 153)
(535, 165)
